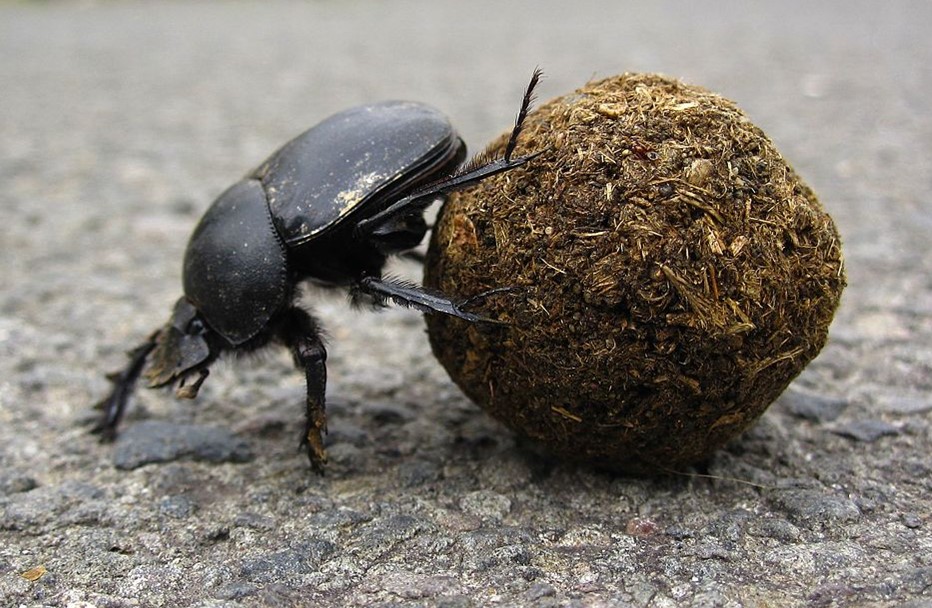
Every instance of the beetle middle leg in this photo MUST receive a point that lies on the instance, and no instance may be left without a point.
(413, 296)
(300, 332)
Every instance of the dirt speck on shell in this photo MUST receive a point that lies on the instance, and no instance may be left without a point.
(673, 274)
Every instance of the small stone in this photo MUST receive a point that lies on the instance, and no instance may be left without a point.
(341, 431)
(812, 506)
(334, 519)
(730, 526)
(15, 483)
(177, 507)
(491, 547)
(866, 431)
(712, 550)
(911, 520)
(386, 412)
(812, 406)
(679, 532)
(486, 505)
(253, 521)
(778, 529)
(347, 456)
(917, 580)
(639, 526)
(904, 404)
(540, 590)
(153, 441)
(304, 558)
(417, 473)
(235, 590)
(382, 535)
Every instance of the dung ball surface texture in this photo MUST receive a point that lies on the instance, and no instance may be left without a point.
(671, 272)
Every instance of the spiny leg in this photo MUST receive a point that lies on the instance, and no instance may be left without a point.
(300, 332)
(123, 383)
(413, 296)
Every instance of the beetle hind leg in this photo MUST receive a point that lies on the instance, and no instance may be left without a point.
(301, 333)
(413, 296)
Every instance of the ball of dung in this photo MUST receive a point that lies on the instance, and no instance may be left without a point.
(670, 275)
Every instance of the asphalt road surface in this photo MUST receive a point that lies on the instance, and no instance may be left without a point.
(119, 123)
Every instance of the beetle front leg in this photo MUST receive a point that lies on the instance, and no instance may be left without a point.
(300, 332)
(123, 383)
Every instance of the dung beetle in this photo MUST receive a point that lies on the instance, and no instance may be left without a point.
(330, 207)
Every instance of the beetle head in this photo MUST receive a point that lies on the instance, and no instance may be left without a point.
(182, 348)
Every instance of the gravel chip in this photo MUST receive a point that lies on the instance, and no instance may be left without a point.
(154, 441)
(486, 505)
(14, 483)
(287, 564)
(809, 507)
(812, 406)
(867, 431)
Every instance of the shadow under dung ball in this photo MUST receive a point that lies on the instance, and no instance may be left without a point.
(673, 274)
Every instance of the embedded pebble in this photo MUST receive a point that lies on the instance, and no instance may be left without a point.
(71, 501)
(155, 441)
(912, 520)
(904, 404)
(866, 431)
(14, 483)
(286, 564)
(486, 505)
(254, 521)
(812, 406)
(178, 507)
(815, 507)
(777, 528)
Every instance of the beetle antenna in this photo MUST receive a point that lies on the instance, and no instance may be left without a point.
(487, 156)
(479, 167)
(522, 114)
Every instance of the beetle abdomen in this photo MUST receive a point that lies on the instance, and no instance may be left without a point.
(319, 178)
(235, 269)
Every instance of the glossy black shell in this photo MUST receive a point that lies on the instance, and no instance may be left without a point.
(362, 157)
(351, 165)
(235, 266)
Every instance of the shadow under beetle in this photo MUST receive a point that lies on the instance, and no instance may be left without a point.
(329, 206)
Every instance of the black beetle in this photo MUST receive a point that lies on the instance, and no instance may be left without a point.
(330, 206)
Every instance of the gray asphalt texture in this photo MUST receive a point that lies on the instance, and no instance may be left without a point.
(120, 122)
